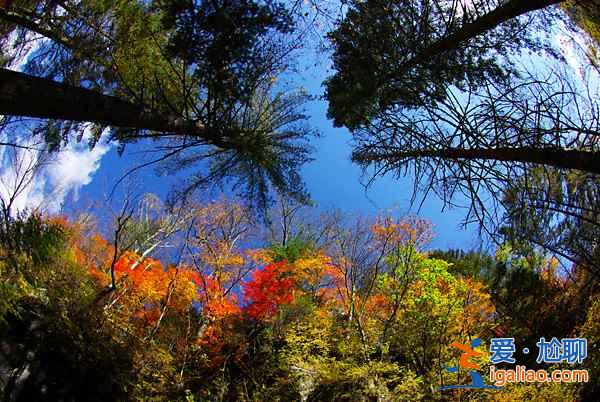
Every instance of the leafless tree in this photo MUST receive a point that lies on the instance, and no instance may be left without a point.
(22, 164)
(471, 148)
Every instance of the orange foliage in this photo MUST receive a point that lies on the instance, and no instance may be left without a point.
(378, 305)
(260, 256)
(93, 252)
(147, 287)
(215, 303)
(408, 231)
(222, 311)
(336, 292)
(478, 306)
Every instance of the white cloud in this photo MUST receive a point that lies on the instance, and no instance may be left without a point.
(74, 168)
(41, 182)
(569, 46)
(574, 44)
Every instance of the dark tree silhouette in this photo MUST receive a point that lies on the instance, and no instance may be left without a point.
(404, 53)
(196, 77)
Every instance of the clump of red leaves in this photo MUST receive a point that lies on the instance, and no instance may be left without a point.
(268, 289)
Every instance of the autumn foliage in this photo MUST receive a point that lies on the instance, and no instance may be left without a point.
(269, 289)
(368, 314)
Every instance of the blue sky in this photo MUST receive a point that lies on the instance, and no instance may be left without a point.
(332, 180)
(79, 177)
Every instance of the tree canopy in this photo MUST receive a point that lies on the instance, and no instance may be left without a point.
(201, 84)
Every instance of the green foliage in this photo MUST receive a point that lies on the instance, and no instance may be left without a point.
(29, 250)
(343, 381)
(46, 300)
(36, 238)
(537, 392)
(586, 15)
(471, 264)
(591, 331)
(555, 210)
(225, 41)
(204, 72)
(522, 282)
(292, 250)
(326, 366)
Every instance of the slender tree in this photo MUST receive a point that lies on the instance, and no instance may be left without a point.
(403, 53)
(27, 95)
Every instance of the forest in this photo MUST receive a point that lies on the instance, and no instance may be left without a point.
(207, 269)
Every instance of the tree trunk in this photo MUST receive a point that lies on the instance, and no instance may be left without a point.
(559, 158)
(505, 12)
(26, 95)
(23, 21)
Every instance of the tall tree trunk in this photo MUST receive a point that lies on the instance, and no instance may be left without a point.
(23, 21)
(559, 158)
(505, 12)
(26, 95)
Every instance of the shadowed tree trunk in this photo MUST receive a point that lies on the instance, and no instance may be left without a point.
(25, 22)
(560, 158)
(26, 95)
(505, 12)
